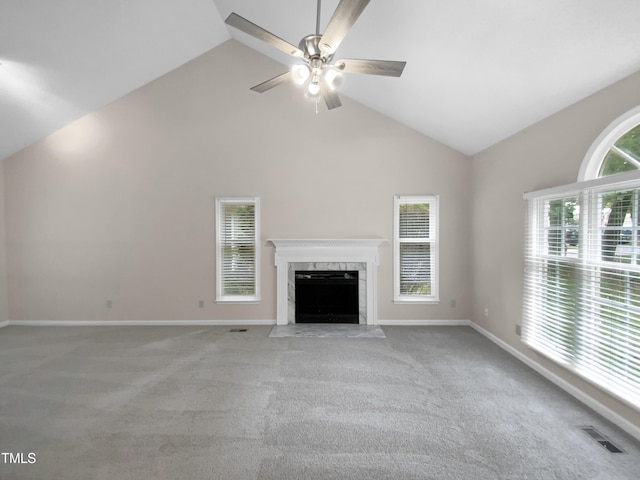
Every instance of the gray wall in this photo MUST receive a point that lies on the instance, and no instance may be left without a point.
(547, 154)
(4, 309)
(120, 204)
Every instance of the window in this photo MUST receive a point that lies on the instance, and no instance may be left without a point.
(616, 150)
(582, 280)
(623, 155)
(416, 249)
(237, 250)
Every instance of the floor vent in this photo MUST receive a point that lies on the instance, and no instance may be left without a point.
(237, 330)
(601, 439)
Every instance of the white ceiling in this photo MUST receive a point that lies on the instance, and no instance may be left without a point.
(477, 71)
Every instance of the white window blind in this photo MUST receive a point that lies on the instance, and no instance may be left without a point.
(582, 283)
(416, 249)
(237, 250)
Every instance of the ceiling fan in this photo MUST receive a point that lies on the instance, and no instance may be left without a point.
(320, 75)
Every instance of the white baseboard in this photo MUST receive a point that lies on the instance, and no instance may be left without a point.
(153, 323)
(135, 323)
(575, 392)
(425, 323)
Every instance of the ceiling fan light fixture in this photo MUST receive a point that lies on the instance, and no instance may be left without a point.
(300, 73)
(333, 78)
(313, 89)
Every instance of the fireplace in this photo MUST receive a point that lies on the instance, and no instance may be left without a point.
(326, 296)
(327, 255)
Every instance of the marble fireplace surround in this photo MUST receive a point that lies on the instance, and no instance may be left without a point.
(327, 254)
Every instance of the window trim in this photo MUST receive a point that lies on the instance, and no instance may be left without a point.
(596, 154)
(240, 299)
(433, 201)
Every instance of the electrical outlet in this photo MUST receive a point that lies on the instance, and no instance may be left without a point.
(453, 303)
(486, 311)
(200, 303)
(109, 304)
(518, 330)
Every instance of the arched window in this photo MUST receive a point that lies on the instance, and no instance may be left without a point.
(616, 150)
(624, 155)
(582, 281)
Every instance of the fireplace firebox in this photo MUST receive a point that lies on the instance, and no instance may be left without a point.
(326, 296)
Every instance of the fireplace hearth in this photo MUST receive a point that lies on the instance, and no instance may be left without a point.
(326, 296)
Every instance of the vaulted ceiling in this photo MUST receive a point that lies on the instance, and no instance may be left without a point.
(477, 71)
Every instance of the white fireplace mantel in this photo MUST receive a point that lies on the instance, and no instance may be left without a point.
(290, 252)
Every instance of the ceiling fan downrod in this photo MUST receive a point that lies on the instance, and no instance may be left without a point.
(318, 18)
